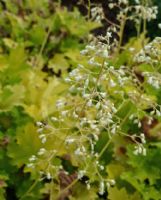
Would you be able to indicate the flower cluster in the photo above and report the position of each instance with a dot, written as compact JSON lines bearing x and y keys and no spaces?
{"x":139,"y":148}
{"x":145,"y":12}
{"x":135,"y":12}
{"x":97,"y":14}
{"x":102,"y":99}
{"x":151,"y":54}
{"x":97,"y":93}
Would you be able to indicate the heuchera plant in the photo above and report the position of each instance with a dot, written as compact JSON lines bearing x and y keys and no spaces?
{"x":106,"y":116}
{"x":79,"y":125}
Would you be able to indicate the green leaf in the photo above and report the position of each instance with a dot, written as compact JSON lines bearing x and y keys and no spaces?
{"x":38,"y":34}
{"x":75,"y":23}
{"x":59,"y":63}
{"x":27,"y":144}
{"x":80,"y":192}
{"x":9,"y":42}
{"x":143,"y":166}
{"x":145,"y":172}
{"x":11,"y":96}
{"x":121,"y":194}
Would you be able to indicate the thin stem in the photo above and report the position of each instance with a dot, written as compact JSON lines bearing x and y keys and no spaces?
{"x":144,"y":32}
{"x":139,"y":28}
{"x":43,"y":46}
{"x":144,"y":24}
{"x":30,"y":189}
{"x":104,"y":148}
{"x":110,"y":22}
{"x":89,"y":9}
{"x":67,"y":188}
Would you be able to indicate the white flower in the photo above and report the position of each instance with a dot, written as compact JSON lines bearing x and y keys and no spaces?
{"x":70,"y":140}
{"x":89,"y":103}
{"x":81,"y":173}
{"x":78,"y":152}
{"x":144,"y":152}
{"x":67,"y":80}
{"x":131,"y":49}
{"x":93,"y":126}
{"x":30,"y":165}
{"x":112,"y":182}
{"x":131,"y":117}
{"x":84,"y":52}
{"x":48,"y":176}
{"x":40,"y":130}
{"x":86,"y":96}
{"x":41,"y":151}
{"x":54,"y":119}
{"x":158,"y":113}
{"x":113,"y":131}
{"x":93,"y":62}
{"x":137,"y":1}
{"x":139,"y":149}
{"x":39,"y":123}
{"x":98,"y":105}
{"x":101,"y":167}
{"x":111,"y":5}
{"x":64,"y":113}
{"x":86,"y":83}
{"x":105,"y":53}
{"x":139,"y":124}
{"x":109,"y":34}
{"x":75,"y":115}
{"x":159,"y":25}
{"x":43,"y":140}
{"x":32,"y":158}
{"x":60,"y":103}
{"x":101,"y":188}
{"x":112,"y":83}
{"x":90,"y":47}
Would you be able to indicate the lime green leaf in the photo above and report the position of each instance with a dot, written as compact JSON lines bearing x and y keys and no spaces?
{"x":114,"y":170}
{"x":80,"y":192}
{"x":27,"y":144}
{"x":11,"y":96}
{"x":38,"y":35}
{"x":121,"y":194}
{"x":9,"y":42}
{"x":59,"y":63}
{"x":75,"y":23}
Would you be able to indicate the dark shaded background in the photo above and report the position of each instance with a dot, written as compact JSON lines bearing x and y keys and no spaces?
{"x":130,"y":30}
